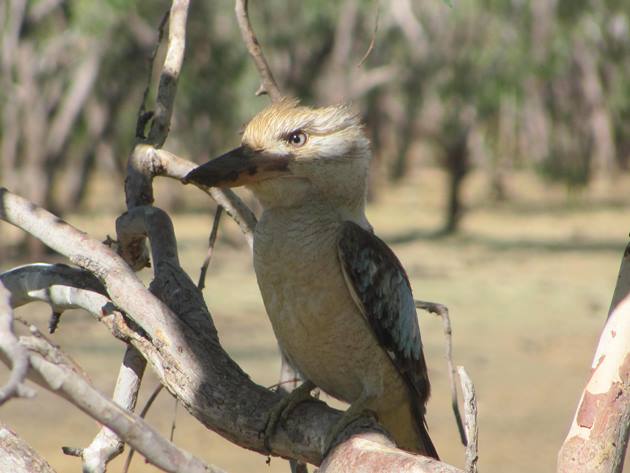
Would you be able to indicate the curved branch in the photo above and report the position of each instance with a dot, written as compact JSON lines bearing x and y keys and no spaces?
{"x":158,"y":162}
{"x":180,"y":342}
{"x":268,"y":85}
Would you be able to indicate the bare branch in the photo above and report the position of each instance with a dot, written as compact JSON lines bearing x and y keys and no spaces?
{"x":17,"y":355}
{"x":268,"y":85}
{"x":180,"y":342}
{"x":170,"y":73}
{"x":17,"y":456}
{"x":442,"y":311}
{"x":470,"y":411}
{"x":211,"y":241}
{"x":143,"y":115}
{"x":107,"y":445}
{"x":53,"y":372}
{"x":143,"y":413}
{"x":598,"y":437}
{"x":373,"y":39}
{"x":369,"y":453}
{"x":164,"y":163}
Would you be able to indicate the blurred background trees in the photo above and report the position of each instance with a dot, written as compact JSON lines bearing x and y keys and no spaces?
{"x":494,"y":85}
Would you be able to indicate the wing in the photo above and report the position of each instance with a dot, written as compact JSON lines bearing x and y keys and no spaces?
{"x":379,"y":286}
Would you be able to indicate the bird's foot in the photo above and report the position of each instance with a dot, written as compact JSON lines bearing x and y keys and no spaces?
{"x":280,"y":412}
{"x":351,"y":415}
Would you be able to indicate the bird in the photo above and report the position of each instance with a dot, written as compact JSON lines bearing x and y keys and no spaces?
{"x":339,"y":300}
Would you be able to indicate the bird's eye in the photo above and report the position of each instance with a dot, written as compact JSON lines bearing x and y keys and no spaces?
{"x":296,"y":138}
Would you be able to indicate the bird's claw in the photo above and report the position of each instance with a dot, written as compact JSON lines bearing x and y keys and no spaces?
{"x":280,"y":412}
{"x":341,"y":425}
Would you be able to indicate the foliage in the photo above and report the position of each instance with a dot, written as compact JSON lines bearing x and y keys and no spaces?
{"x":542,"y":85}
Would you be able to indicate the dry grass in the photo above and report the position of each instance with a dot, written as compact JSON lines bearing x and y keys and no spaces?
{"x":528,"y":284}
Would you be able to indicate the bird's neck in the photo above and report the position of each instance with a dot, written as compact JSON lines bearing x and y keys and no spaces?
{"x":300,"y":197}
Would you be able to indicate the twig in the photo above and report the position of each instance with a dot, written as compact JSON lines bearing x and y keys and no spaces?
{"x":211,"y":241}
{"x":143,"y":115}
{"x":146,"y":408}
{"x":268,"y":84}
{"x":470,"y":411}
{"x":373,"y":39}
{"x":172,"y":434}
{"x":17,"y":355}
{"x":442,"y":312}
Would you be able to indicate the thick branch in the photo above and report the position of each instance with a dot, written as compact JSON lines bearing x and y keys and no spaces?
{"x":183,"y":349}
{"x":17,"y":456}
{"x":598,"y":438}
{"x":368,"y":453}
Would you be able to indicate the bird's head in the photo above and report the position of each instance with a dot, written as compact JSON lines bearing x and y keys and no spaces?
{"x":291,"y":153}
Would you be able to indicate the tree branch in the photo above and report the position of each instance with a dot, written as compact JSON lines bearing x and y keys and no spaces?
{"x":170,"y":73}
{"x":211,"y":241}
{"x":107,"y":445}
{"x":268,"y":85}
{"x":442,"y":311}
{"x":598,"y":437}
{"x":180,"y":342}
{"x":10,"y":346}
{"x":470,"y":411}
{"x":52,"y":371}
{"x":17,"y":456}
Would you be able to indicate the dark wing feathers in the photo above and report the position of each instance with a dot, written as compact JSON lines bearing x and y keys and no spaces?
{"x":379,"y":285}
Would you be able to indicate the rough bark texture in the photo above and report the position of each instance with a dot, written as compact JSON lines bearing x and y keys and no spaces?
{"x":366,"y":454}
{"x":16,"y":456}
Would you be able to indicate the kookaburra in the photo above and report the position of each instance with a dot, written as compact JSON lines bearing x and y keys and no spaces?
{"x":338,"y":298}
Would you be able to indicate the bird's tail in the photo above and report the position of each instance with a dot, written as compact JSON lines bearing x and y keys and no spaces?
{"x":409,"y":430}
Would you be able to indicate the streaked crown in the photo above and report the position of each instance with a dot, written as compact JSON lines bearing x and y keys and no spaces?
{"x":286,"y":127}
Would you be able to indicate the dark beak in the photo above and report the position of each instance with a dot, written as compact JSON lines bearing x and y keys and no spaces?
{"x":238,"y":167}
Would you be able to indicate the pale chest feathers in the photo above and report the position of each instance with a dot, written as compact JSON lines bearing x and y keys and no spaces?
{"x":297,"y":266}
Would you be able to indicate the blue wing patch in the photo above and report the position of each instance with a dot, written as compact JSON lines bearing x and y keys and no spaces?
{"x":380,"y":287}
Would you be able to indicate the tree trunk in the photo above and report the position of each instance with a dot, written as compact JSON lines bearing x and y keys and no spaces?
{"x":457,"y":167}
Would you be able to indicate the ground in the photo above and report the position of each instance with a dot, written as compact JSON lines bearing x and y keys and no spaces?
{"x":528,"y":283}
